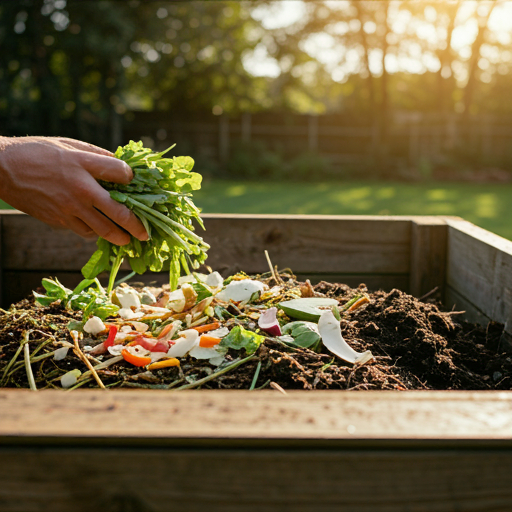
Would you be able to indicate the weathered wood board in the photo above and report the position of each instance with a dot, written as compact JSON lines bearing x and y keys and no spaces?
{"x":127,"y":479}
{"x":252,"y":418}
{"x":479,"y":273}
{"x":350,"y":249}
{"x":227,"y":450}
{"x":242,"y":450}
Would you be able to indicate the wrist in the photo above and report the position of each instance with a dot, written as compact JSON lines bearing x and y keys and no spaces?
{"x":4,"y":143}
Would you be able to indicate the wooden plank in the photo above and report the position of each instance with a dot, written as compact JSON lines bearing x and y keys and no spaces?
{"x":219,"y":480}
{"x":479,"y":269}
{"x":428,"y":255}
{"x":176,"y":417}
{"x":32,"y":245}
{"x":456,"y":302}
{"x":305,"y":243}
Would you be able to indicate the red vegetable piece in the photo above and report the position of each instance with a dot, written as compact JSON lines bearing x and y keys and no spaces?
{"x":153,"y":345}
{"x":112,"y":331}
{"x":161,"y":346}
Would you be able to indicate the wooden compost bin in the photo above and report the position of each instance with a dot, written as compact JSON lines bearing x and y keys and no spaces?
{"x":138,"y":450}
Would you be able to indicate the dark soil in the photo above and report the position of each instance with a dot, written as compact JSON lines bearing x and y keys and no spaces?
{"x":415,"y":345}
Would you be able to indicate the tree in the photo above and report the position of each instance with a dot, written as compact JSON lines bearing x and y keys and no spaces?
{"x":72,"y":67}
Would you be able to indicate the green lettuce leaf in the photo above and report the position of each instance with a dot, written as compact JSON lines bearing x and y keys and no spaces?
{"x":239,"y":338}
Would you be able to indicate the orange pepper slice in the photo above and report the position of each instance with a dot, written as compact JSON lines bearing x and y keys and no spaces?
{"x":135,"y":360}
{"x":358,"y":303}
{"x":165,"y":330}
{"x":208,"y":341}
{"x":172,"y":361}
{"x":207,"y":327}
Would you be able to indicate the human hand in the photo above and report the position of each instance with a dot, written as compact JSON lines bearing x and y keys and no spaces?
{"x":54,"y":180}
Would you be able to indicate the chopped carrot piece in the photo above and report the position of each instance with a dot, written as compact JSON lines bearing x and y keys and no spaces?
{"x":165,"y":330}
{"x":135,"y":360}
{"x":208,"y":341}
{"x":207,"y":327}
{"x":172,"y":361}
{"x":358,"y":303}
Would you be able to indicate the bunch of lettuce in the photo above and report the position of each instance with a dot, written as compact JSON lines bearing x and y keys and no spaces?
{"x":160,"y":196}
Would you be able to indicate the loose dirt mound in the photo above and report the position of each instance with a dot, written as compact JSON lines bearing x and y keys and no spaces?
{"x":415,"y":345}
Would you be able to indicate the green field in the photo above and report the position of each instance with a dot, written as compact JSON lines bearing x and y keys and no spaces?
{"x":487,"y":205}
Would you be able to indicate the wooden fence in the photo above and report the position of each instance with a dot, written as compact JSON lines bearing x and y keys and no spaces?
{"x":409,"y":139}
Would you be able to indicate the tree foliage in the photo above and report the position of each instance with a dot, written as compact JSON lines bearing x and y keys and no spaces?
{"x":71,"y":67}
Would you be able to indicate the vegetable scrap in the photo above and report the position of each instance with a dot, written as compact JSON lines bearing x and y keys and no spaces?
{"x":244,"y":332}
{"x":268,"y":336}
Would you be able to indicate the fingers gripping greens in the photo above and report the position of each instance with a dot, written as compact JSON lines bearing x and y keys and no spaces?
{"x":159,"y":195}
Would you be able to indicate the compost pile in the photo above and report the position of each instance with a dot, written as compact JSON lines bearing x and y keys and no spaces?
{"x":247,"y":332}
{"x":202,"y":330}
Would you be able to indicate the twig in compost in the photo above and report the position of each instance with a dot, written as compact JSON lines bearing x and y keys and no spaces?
{"x":362,"y":385}
{"x":214,"y":375}
{"x":270,"y":266}
{"x":126,"y":384}
{"x":352,"y":301}
{"x":256,"y":375}
{"x":101,"y":366}
{"x":30,"y":375}
{"x":80,"y":383}
{"x":275,"y":276}
{"x":42,"y":345}
{"x":277,"y":387}
{"x":358,"y":303}
{"x":11,"y":362}
{"x":175,"y":383}
{"x":428,"y":294}
{"x":263,"y":386}
{"x":26,"y":334}
{"x":80,"y":354}
{"x":33,"y":359}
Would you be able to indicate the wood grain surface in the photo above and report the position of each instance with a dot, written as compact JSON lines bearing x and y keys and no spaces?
{"x":351,"y":249}
{"x":302,"y":242}
{"x":428,"y":255}
{"x":479,"y":271}
{"x":172,"y":416}
{"x":109,"y":479}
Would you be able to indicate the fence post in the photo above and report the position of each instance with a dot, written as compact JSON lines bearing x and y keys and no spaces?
{"x":246,"y":127}
{"x":414,"y":136}
{"x":451,"y":132}
{"x":313,"y":133}
{"x":375,"y":139}
{"x":487,"y":137}
{"x":223,"y":138}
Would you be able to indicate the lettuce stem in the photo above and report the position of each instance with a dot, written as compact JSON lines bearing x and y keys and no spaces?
{"x":116,"y":265}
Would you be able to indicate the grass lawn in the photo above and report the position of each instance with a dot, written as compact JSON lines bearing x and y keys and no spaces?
{"x":487,"y":205}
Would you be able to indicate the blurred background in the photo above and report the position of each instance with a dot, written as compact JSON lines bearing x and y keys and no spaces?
{"x":314,"y":107}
